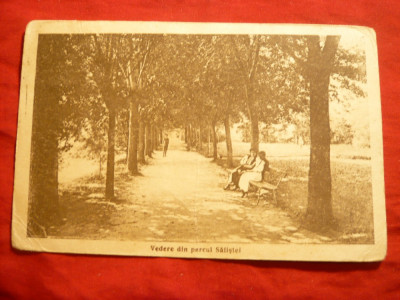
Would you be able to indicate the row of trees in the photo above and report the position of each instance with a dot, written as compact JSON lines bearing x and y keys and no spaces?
{"x":344,"y":124}
{"x":120,"y":91}
{"x":90,"y":89}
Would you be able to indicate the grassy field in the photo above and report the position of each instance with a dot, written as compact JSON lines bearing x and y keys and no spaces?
{"x":351,"y":195}
{"x":351,"y":184}
{"x":287,"y":150}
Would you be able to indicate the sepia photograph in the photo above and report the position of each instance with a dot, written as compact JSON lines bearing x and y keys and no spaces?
{"x":233,"y":141}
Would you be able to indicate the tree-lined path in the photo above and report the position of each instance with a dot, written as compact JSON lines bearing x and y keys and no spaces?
{"x":180,"y":198}
{"x":110,"y":98}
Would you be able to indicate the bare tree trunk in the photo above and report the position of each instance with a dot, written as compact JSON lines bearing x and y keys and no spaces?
{"x":128,"y":140}
{"x":153,"y":138}
{"x":110,"y":154}
{"x":100,"y":165}
{"x":253,"y":116}
{"x":200,"y":140}
{"x":214,"y":135}
{"x":189,"y":137}
{"x":141,"y":148}
{"x":133,"y":139}
{"x":156,"y":138}
{"x":186,"y":134}
{"x":255,"y":132}
{"x":209,"y":141}
{"x":149,"y":149}
{"x":228,"y":139}
{"x":252,"y":63}
{"x":43,"y":205}
{"x":43,"y":184}
{"x":193,"y":136}
{"x":196,"y":138}
{"x":319,"y":209}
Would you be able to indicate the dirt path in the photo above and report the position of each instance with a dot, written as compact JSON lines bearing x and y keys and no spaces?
{"x":180,"y":198}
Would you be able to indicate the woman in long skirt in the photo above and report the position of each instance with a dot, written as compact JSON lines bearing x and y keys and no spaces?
{"x":255,"y":174}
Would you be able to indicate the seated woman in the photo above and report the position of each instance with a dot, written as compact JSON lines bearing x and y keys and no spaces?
{"x":246,"y":163}
{"x":256,"y":173}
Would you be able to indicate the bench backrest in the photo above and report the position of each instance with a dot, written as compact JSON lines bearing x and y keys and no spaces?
{"x":274,"y":176}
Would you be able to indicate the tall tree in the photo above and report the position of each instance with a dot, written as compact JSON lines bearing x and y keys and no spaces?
{"x":320,"y":69}
{"x":320,"y":64}
{"x":247,"y":57}
{"x":214,"y":139}
{"x":43,"y":197}
{"x":141,"y":146}
{"x":104,"y":65}
{"x":57,"y":117}
{"x":137,"y":49}
{"x":228,"y":89}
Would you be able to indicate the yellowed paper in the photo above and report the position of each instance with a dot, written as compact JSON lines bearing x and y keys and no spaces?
{"x":200,"y":140}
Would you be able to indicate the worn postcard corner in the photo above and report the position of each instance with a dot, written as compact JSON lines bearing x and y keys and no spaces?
{"x":200,"y":140}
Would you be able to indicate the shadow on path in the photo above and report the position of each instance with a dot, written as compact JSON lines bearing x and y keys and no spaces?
{"x":181,"y":198}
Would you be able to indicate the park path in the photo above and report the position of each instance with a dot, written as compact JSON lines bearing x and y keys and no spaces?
{"x":181,"y":198}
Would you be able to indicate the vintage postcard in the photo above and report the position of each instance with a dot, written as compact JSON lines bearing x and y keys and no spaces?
{"x":200,"y":140}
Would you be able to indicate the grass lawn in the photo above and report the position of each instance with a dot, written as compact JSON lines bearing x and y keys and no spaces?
{"x":288,"y":150}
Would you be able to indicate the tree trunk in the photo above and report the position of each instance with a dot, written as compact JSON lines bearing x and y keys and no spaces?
{"x":189,"y":137}
{"x":320,"y":63}
{"x":209,"y":141}
{"x":100,"y":166}
{"x":156,"y":138}
{"x":253,"y":116}
{"x":133,"y":138}
{"x":43,"y":206}
{"x":214,"y":136}
{"x":149,"y":150}
{"x":200,"y":140}
{"x":128,"y":122}
{"x":229,"y":151}
{"x":194,"y":136}
{"x":141,"y":147}
{"x":110,"y":154}
{"x":153,"y":139}
{"x":186,"y":134}
{"x":255,"y":132}
{"x":43,"y":196}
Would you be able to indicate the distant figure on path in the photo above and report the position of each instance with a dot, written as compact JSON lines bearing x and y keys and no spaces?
{"x":256,"y":173}
{"x":166,"y":142}
{"x":246,"y":163}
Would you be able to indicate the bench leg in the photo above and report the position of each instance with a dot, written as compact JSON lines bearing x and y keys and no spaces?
{"x":258,"y":195}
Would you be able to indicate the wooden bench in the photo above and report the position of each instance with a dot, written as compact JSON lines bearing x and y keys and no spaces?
{"x":271,"y":182}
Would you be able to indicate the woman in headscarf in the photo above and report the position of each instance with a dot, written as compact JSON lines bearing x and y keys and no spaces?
{"x":256,"y":173}
{"x":246,"y":163}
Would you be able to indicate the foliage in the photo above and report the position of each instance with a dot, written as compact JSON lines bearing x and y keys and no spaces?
{"x":262,"y":82}
{"x":210,"y":78}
